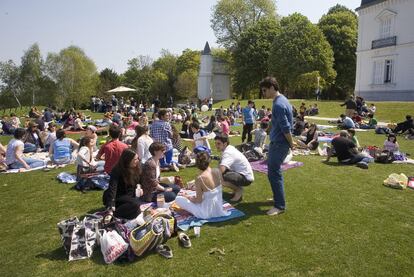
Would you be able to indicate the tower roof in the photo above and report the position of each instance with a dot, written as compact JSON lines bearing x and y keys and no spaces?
{"x":367,"y":3}
{"x":207,"y":50}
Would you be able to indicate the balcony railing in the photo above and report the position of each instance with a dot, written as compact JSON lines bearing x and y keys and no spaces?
{"x":384,"y":42}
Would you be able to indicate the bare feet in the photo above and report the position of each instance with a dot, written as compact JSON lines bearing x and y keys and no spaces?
{"x":238,"y":194}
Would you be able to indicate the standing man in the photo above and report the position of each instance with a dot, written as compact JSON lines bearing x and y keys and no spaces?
{"x":249,"y":117}
{"x":210,"y":103}
{"x":280,"y":141}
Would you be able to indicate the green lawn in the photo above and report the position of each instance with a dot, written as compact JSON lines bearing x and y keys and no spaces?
{"x":341,"y":221}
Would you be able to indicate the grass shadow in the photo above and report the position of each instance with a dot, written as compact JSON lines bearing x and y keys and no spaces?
{"x":55,"y":255}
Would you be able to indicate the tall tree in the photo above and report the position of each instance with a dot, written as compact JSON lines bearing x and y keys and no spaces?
{"x":300,"y":47}
{"x":186,"y":84}
{"x":75,"y":75}
{"x":340,"y":27}
{"x":109,"y":79}
{"x":189,"y":60}
{"x":251,"y":55}
{"x":167,"y":65}
{"x":231,"y":17}
{"x":31,"y":73}
{"x":10,"y":85}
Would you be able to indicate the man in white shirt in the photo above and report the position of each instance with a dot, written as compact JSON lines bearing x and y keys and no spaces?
{"x":234,"y":166}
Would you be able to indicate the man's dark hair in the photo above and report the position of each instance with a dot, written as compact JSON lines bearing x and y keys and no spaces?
{"x":223,"y":138}
{"x":60,"y":134}
{"x":250,"y":102}
{"x":162,"y":113}
{"x":114,"y":132}
{"x":342,"y":116}
{"x":195,"y":125}
{"x":408,"y":117}
{"x":269,"y":82}
{"x":264,"y":125}
{"x":19,"y":133}
{"x":156,"y":146}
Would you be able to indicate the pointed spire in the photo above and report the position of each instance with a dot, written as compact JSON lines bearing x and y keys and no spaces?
{"x":207,"y":50}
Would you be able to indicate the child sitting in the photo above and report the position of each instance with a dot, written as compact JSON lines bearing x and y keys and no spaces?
{"x":391,"y":144}
{"x":199,"y":136}
{"x":260,"y":135}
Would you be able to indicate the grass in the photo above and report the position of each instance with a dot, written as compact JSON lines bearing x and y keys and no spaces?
{"x":341,"y":221}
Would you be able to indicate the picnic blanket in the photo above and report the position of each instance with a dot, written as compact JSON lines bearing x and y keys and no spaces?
{"x":44,"y":156}
{"x":185,"y":220}
{"x":261,"y":166}
{"x":80,"y":132}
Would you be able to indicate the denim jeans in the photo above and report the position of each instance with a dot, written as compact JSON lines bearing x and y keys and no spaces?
{"x":29,"y":147}
{"x":31,"y":162}
{"x":166,"y":160}
{"x":276,"y":156}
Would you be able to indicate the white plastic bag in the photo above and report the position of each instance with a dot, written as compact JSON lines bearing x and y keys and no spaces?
{"x":112,"y":246}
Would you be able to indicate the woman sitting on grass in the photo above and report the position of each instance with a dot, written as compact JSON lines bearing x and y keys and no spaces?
{"x":84,"y":160}
{"x":14,"y":153}
{"x":150,"y":179}
{"x":208,"y":201}
{"x":120,"y":197}
{"x":60,"y":151}
{"x":141,"y":143}
{"x":311,"y":138}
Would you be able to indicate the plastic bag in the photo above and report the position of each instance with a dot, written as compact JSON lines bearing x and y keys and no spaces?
{"x":396,"y":181}
{"x":112,"y":246}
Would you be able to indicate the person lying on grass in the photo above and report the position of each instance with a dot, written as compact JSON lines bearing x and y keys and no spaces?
{"x":208,"y":201}
{"x":347,"y":152}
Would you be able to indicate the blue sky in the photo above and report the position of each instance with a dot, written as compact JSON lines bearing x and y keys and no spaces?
{"x":112,"y":32}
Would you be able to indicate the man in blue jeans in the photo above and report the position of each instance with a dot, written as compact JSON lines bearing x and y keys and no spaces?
{"x":280,"y":141}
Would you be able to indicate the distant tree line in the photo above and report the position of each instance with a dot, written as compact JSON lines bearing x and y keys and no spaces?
{"x":256,"y":42}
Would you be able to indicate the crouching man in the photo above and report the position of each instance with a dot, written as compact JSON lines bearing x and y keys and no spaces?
{"x":234,"y":166}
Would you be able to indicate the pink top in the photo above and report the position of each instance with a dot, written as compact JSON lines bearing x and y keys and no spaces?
{"x":133,"y":125}
{"x":225,"y":127}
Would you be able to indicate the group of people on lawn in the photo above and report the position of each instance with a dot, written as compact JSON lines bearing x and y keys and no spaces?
{"x":151,"y":151}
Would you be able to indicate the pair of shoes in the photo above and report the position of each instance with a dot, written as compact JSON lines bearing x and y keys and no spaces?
{"x":238,"y":195}
{"x":184,"y":240}
{"x":274,"y":211}
{"x":164,"y":250}
{"x":362,"y":165}
{"x":174,"y":167}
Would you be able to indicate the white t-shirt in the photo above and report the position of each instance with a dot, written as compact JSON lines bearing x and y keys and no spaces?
{"x":84,"y":156}
{"x":143,"y":145}
{"x":200,"y":142}
{"x":234,"y":160}
{"x":10,"y":156}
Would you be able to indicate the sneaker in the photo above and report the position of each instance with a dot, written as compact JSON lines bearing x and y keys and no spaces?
{"x":274,"y":211}
{"x":184,"y":240}
{"x":164,"y":251}
{"x":362,"y":165}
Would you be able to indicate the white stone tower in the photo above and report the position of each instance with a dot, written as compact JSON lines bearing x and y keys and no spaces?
{"x":205,"y":77}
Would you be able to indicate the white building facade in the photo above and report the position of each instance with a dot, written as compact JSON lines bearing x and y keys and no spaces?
{"x":385,"y":52}
{"x":213,"y":78}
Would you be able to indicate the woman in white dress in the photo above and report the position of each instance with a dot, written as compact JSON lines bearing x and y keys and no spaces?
{"x":208,"y":201}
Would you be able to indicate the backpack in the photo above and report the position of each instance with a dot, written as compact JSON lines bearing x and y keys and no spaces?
{"x":384,"y":157}
{"x":185,"y":156}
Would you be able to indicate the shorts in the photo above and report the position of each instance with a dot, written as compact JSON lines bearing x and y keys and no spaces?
{"x":236,"y":178}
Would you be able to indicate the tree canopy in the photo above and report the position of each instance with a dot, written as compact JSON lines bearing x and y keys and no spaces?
{"x":300,"y":47}
{"x":251,"y":55}
{"x":340,"y":28}
{"x":231,"y":17}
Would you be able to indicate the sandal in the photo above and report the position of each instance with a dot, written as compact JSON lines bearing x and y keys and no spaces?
{"x":184,"y":240}
{"x":164,"y":250}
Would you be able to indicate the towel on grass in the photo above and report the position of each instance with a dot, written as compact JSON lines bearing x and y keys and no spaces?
{"x":185,"y":220}
{"x":261,"y":166}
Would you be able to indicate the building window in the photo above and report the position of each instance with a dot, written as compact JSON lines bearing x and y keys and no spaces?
{"x":388,"y":71}
{"x":385,"y":29}
{"x":383,"y":72}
